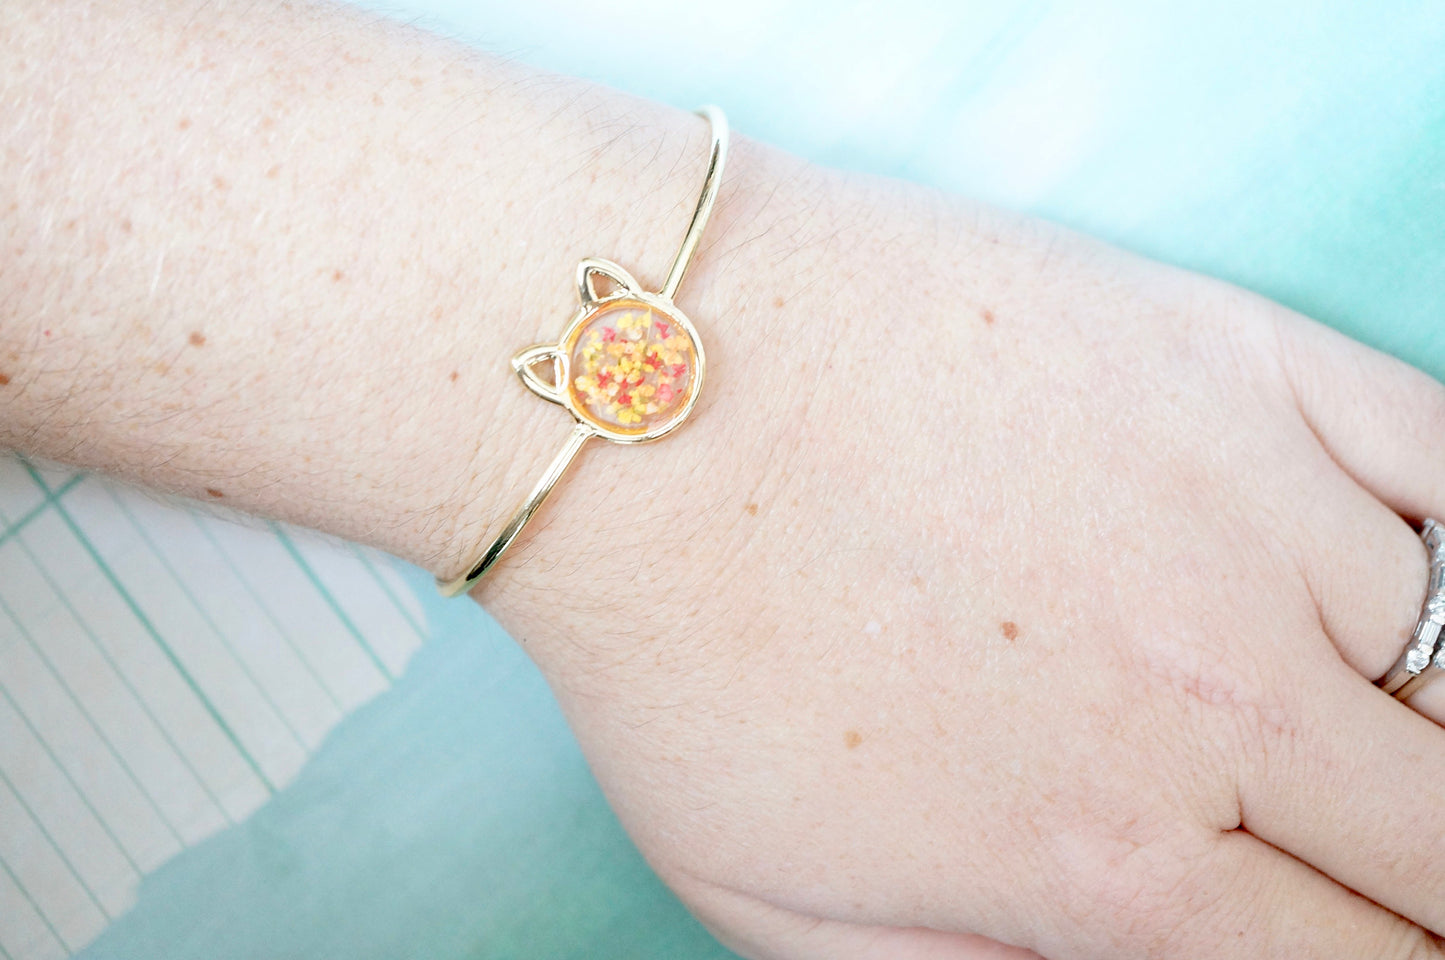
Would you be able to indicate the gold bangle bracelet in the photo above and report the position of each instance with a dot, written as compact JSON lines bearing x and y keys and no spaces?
{"x":629,"y":366}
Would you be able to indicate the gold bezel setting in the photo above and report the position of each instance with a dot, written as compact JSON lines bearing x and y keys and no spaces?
{"x":561,"y":390}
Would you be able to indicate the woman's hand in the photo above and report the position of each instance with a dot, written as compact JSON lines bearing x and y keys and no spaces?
{"x":1003,"y":586}
{"x":1006,"y":584}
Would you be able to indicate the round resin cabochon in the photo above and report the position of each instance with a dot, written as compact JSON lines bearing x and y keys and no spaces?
{"x":631,"y":367}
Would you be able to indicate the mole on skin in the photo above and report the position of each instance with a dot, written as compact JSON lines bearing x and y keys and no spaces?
{"x":213,"y":493}
{"x":1009,"y":629}
{"x":197,"y":338}
{"x":4,"y":379}
{"x":852,"y":738}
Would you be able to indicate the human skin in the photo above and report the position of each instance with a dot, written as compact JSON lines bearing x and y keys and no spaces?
{"x":1004,"y":588}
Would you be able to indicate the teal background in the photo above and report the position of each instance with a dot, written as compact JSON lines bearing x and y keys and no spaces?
{"x":451,"y":817}
{"x":1296,"y":148}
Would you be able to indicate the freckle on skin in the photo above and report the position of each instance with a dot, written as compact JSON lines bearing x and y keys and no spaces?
{"x":752,"y":509}
{"x":778,"y":302}
{"x":220,"y":183}
{"x":213,"y":493}
{"x":273,"y":172}
{"x":851,"y":739}
{"x":185,"y":124}
{"x":197,"y":338}
{"x":454,"y":376}
{"x":988,"y":317}
{"x":337,"y":276}
{"x":1009,"y":629}
{"x":126,"y":226}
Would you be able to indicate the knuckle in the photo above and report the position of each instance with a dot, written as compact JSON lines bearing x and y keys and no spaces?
{"x":1128,"y":887}
{"x":1215,"y":901}
{"x":1220,"y":686}
{"x":1412,"y":943}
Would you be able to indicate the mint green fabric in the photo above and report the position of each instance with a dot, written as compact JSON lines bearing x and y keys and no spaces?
{"x":1297,"y":148}
{"x":453,"y":817}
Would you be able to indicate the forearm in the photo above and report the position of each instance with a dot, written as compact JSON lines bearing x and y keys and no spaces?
{"x":281,"y":258}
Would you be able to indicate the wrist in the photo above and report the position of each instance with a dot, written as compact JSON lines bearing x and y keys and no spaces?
{"x":638,"y":534}
{"x":666,"y":484}
{"x":294,"y":283}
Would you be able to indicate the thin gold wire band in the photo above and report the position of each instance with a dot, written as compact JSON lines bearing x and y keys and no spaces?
{"x":659,"y":391}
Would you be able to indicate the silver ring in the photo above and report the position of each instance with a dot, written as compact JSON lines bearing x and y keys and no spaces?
{"x":1424,"y":656}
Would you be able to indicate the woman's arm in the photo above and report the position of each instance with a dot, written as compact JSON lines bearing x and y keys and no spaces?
{"x":1002,"y":584}
{"x":282,"y":256}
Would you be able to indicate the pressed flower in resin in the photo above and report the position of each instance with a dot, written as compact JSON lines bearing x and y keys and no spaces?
{"x":631,"y":367}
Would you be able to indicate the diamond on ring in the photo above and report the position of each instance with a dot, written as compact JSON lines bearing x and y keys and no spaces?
{"x":1424,"y":655}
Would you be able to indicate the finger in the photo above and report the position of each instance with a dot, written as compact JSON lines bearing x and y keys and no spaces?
{"x":1368,"y":572}
{"x":1249,"y":900}
{"x":762,"y":931}
{"x":1243,"y":900}
{"x":1381,"y":419}
{"x":1352,"y":782}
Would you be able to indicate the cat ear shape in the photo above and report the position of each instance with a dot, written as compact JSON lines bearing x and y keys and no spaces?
{"x":526,"y":362}
{"x":588,"y":269}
